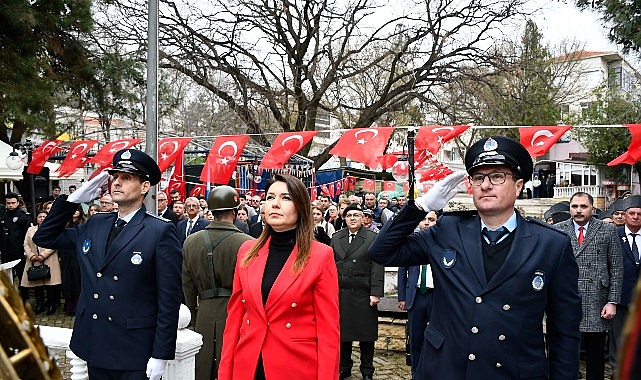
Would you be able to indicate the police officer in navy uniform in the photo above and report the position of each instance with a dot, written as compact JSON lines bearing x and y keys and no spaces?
{"x":498,"y":274}
{"x":127,"y":317}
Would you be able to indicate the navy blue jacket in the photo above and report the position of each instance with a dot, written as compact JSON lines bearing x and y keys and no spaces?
{"x":128,"y":306}
{"x":630,"y":267}
{"x":407,"y":280}
{"x":482,"y":329}
{"x":200,"y":224}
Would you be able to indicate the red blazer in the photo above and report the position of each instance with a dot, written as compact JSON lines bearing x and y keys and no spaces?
{"x":297,"y":331}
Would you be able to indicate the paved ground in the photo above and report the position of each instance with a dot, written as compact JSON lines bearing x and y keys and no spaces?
{"x":389,"y":358}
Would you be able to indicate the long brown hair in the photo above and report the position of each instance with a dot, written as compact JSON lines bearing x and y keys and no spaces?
{"x":305,"y":225}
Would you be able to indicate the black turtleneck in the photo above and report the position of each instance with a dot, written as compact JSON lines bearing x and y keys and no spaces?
{"x":280,"y":247}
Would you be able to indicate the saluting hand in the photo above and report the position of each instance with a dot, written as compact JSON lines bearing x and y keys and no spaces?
{"x":441,"y":193}
{"x":90,"y":189}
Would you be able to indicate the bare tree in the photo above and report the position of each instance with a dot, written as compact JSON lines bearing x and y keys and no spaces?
{"x":358,"y":59}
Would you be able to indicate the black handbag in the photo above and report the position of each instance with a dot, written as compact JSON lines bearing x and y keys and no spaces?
{"x":38,"y":272}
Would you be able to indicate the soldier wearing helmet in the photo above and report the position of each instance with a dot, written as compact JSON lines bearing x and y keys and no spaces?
{"x":209,"y":260}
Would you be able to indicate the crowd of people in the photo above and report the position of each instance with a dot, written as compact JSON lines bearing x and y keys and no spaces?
{"x":278,"y":283}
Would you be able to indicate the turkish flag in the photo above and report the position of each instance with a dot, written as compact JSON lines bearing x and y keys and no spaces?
{"x":389,"y":186}
{"x":197,"y":190}
{"x":633,"y":154}
{"x":369,"y":185}
{"x":41,"y":154}
{"x":406,"y":187}
{"x":222,"y":159}
{"x":177,"y":178}
{"x":313,"y":193}
{"x":338,"y":187}
{"x":284,"y":147}
{"x":436,"y":173}
{"x":324,"y":189}
{"x":350,"y":183}
{"x":76,"y":157}
{"x":538,"y":140}
{"x":106,"y":154}
{"x":363,"y":144}
{"x":427,"y":186}
{"x":431,"y":138}
{"x":332,"y":189}
{"x":387,"y":160}
{"x":168,"y":149}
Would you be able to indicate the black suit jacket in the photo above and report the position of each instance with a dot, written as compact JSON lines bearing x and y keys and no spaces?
{"x":168,"y":214}
{"x":256,"y":229}
{"x":200,"y":224}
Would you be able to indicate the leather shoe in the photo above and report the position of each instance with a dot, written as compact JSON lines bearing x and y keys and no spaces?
{"x":344,"y":375}
{"x":40,"y":308}
{"x":367,"y":377}
{"x":52,"y":310}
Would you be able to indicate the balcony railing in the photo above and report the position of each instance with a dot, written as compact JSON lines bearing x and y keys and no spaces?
{"x":566,"y":192}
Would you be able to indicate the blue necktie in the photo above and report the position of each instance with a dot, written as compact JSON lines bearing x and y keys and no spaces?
{"x":494,"y":236}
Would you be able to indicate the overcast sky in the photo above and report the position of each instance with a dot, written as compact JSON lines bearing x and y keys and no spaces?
{"x":559,"y":20}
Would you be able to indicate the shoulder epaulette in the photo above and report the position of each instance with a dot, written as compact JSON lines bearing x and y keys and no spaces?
{"x":158,"y":216}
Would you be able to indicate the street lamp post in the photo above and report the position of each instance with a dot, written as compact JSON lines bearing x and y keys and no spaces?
{"x":17,"y":159}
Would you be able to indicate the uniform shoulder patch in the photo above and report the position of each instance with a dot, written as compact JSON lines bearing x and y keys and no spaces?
{"x":158,"y":217}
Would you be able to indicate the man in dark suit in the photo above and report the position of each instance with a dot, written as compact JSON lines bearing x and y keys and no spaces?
{"x":491,"y":291}
{"x":361,"y":286}
{"x":163,"y":210}
{"x":257,"y":228}
{"x":127,"y":319}
{"x":598,"y":254}
{"x":415,"y":294}
{"x":630,"y":240}
{"x":193,"y":222}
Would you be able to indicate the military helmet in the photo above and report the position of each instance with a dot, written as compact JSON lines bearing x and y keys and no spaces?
{"x":223,"y":198}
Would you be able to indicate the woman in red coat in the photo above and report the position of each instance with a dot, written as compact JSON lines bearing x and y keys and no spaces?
{"x":283,"y":319}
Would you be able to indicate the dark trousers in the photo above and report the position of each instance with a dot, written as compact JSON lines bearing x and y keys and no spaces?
{"x":113,"y":374}
{"x":594,"y":359}
{"x":418,"y":316}
{"x":616,"y":328}
{"x":367,"y":358}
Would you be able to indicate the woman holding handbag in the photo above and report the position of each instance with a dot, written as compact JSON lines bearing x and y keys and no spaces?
{"x":37,"y":256}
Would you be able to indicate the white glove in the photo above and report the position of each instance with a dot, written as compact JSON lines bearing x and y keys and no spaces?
{"x":441,"y":193}
{"x":155,"y":367}
{"x":90,"y":190}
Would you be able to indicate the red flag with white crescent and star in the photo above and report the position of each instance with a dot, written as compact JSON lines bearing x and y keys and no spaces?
{"x":369,"y":185}
{"x":284,"y":147}
{"x":222,"y":159}
{"x":199,"y":190}
{"x":169,"y":148}
{"x":76,"y":157}
{"x":538,"y":140}
{"x":106,"y":154}
{"x":177,"y":179}
{"x":389,"y":186}
{"x":432,"y":137}
{"x":41,"y":154}
{"x":633,"y":154}
{"x":313,"y":193}
{"x":363,"y":144}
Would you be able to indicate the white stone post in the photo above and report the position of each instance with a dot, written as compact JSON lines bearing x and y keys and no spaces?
{"x":183,"y":367}
{"x":188,"y":343}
